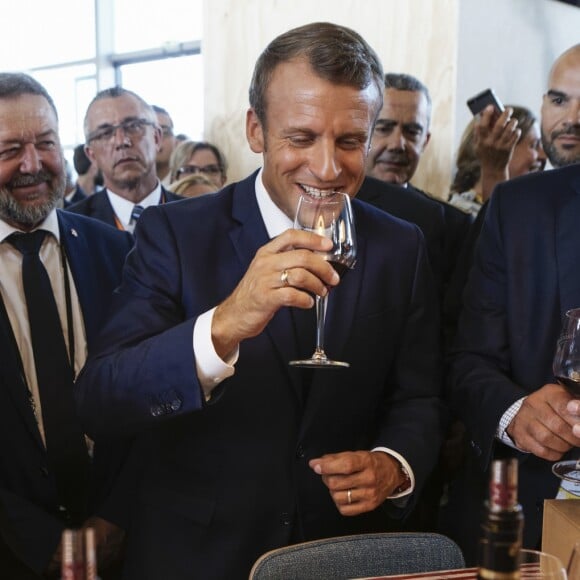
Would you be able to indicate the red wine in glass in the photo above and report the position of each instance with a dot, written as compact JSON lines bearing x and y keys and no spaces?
{"x":330,"y":216}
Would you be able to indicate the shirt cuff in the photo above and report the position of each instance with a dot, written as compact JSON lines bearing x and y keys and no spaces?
{"x":211,"y":369}
{"x":406,"y":467}
{"x":501,"y":432}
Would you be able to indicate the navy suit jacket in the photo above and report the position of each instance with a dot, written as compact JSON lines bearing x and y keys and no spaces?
{"x":445,"y":228}
{"x":417,"y":208}
{"x":29,"y":524}
{"x":79,"y":195}
{"x":524,"y":278}
{"x":98,"y":206}
{"x":228,"y":480}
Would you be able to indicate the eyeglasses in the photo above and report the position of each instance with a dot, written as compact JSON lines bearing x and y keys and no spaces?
{"x":131,"y":127}
{"x":166,"y":130}
{"x":190,"y":169}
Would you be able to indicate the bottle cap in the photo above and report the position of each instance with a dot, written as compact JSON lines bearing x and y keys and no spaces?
{"x":503,"y":486}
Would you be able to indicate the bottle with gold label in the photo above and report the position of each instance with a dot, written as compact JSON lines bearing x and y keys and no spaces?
{"x":502,"y":526}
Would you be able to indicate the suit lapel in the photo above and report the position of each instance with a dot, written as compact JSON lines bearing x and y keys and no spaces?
{"x":568,"y":251}
{"x":102,"y":208}
{"x":247,"y":237}
{"x":85,"y":279}
{"x":343,"y":300}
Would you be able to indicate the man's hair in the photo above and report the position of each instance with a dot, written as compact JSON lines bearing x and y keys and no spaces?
{"x":161,"y":111}
{"x":468,"y":167}
{"x":405,"y":82}
{"x":16,"y":84}
{"x":113,"y":93}
{"x":80,"y":160}
{"x":335,"y":53}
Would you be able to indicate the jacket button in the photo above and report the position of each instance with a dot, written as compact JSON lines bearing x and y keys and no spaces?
{"x":285,"y":519}
{"x":299,"y":452}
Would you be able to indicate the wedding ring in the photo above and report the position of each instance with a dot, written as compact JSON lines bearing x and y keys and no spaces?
{"x":284,"y":278}
{"x":349,"y":496}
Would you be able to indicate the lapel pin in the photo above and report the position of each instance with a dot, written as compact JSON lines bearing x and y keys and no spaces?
{"x":74,"y":233}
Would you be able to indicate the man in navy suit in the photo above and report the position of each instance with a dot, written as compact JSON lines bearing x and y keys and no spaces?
{"x":90,"y":255}
{"x":247,"y":453}
{"x":122,"y":139}
{"x":400,"y":137}
{"x":523,"y":280}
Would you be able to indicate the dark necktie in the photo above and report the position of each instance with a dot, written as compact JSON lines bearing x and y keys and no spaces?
{"x":136,"y":213}
{"x":65,"y":443}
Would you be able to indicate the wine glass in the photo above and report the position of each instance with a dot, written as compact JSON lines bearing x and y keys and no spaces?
{"x":566,"y":369}
{"x":566,"y":365}
{"x":540,"y":565}
{"x":330,"y":216}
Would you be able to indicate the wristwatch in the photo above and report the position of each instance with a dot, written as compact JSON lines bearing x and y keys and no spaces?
{"x":407,"y":481}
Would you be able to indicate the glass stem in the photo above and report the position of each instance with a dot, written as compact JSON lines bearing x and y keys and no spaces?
{"x":320,"y":318}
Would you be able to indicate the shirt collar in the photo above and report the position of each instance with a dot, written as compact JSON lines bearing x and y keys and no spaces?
{"x":50,"y":224}
{"x":123,"y":207}
{"x":275,"y":220}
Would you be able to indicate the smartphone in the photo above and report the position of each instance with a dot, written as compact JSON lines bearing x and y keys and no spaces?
{"x":481,"y":100}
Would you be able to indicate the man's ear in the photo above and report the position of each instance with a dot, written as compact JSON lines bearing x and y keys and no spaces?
{"x":157,"y":137}
{"x":427,"y":139}
{"x":254,"y":132}
{"x":89,"y":154}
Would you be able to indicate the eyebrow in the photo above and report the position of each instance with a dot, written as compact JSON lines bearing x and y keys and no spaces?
{"x":125,"y":120}
{"x":47,"y":133}
{"x":410,"y":125}
{"x":553,"y":93}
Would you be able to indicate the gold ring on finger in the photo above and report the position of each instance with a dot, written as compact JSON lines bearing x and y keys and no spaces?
{"x":284,"y":278}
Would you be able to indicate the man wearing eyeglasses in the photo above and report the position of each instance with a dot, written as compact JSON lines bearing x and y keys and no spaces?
{"x":122,"y":139}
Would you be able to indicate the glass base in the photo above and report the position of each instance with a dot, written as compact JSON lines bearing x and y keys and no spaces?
{"x":568,"y":470}
{"x":320,"y":363}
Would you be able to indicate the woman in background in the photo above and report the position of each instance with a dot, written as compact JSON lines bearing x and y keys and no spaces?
{"x":191,"y":157}
{"x":492,"y":151}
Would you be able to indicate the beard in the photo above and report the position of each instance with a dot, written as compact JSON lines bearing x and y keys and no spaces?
{"x":560,"y":157}
{"x":13,"y":211}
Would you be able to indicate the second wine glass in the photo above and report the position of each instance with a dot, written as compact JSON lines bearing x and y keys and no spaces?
{"x":566,"y":369}
{"x":330,"y":216}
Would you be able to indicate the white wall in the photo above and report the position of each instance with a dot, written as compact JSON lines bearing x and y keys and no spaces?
{"x":456,"y":47}
{"x":415,"y":36}
{"x":510,"y":45}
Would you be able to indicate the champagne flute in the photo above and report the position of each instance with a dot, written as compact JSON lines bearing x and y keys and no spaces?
{"x":566,"y":369}
{"x":330,"y":216}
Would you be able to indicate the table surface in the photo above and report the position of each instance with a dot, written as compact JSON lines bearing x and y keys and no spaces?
{"x":528,"y":571}
{"x":461,"y":574}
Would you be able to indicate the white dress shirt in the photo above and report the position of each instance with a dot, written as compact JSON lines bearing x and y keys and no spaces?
{"x":123,"y":207}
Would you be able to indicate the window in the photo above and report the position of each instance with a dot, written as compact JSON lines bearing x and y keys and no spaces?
{"x":59,"y":48}
{"x":176,"y":84}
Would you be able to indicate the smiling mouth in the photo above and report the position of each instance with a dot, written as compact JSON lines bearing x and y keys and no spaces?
{"x":319,"y":193}
{"x":392,"y":162}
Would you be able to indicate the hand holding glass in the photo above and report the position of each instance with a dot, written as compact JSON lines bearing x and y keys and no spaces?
{"x":566,"y":369}
{"x":331,"y":217}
